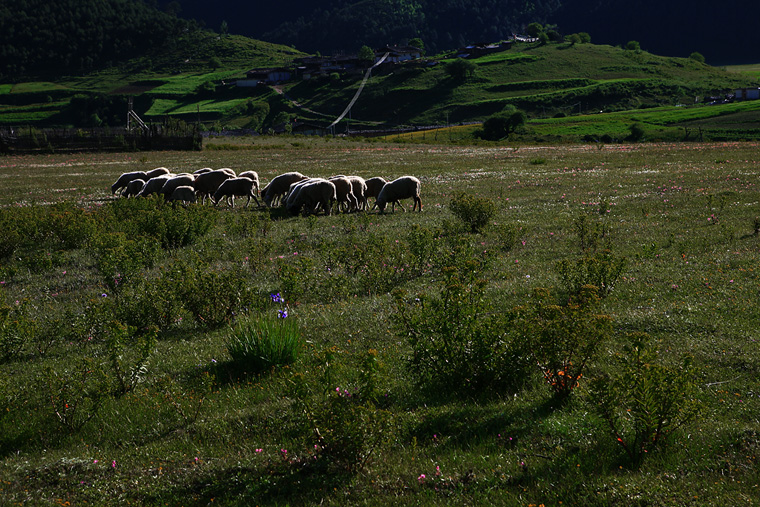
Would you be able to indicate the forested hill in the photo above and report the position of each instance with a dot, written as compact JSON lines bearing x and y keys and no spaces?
{"x":723,"y":33}
{"x":40,"y":37}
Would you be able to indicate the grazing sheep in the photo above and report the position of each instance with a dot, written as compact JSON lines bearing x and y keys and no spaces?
{"x":252,"y":175}
{"x":158,"y":171}
{"x":228,"y":171}
{"x":207,"y":183}
{"x":374,"y":186}
{"x":133,"y":188}
{"x":183,"y":193}
{"x":202,"y":171}
{"x":359,"y":187}
{"x":153,"y":185}
{"x":176,"y":181}
{"x":125,"y":178}
{"x":312,"y":195}
{"x":404,"y":187}
{"x":344,"y":191}
{"x":276,"y":189}
{"x":235,"y":187}
{"x":294,"y":189}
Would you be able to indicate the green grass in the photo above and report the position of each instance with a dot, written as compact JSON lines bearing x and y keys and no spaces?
{"x":197,"y":430}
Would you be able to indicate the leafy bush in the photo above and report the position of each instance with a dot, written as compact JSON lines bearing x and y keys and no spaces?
{"x":563,"y":339}
{"x":16,"y":329}
{"x":458,"y":339}
{"x":502,"y":124}
{"x":342,"y":424}
{"x":128,"y":354}
{"x":644,"y":402}
{"x":76,"y":392}
{"x":213,"y":296}
{"x":474,"y":212}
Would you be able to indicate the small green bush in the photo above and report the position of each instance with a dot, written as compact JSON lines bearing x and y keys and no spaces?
{"x":644,"y":401}
{"x":474,"y":212}
{"x":458,"y":340}
{"x":563,"y":339}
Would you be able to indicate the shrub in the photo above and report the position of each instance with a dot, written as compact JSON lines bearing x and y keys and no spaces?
{"x":343,"y":425}
{"x":644,"y":402}
{"x":457,"y":338}
{"x":128,"y":354}
{"x":76,"y":392}
{"x":563,"y":339}
{"x":16,"y":329}
{"x":500,"y":125}
{"x":474,"y":212}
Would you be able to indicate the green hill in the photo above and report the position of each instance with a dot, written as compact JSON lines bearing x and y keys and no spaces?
{"x":194,"y":78}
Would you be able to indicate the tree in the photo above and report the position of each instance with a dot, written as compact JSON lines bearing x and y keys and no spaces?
{"x":214,"y":62}
{"x":417,"y":43}
{"x":585,"y":37}
{"x":534,"y":29}
{"x":633,"y":46}
{"x":224,"y":29}
{"x":697,"y":57}
{"x":366,"y":55}
{"x":461,"y":69}
{"x":573,"y":39}
{"x":500,"y":125}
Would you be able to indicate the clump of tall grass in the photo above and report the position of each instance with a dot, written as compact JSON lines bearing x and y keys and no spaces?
{"x":261,"y":343}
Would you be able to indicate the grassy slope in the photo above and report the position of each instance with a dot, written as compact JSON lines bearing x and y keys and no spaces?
{"x":691,"y":282}
{"x":541,"y":79}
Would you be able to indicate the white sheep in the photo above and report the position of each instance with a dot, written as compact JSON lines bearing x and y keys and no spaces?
{"x":202,"y":171}
{"x":176,"y":181}
{"x":228,"y":171}
{"x":344,"y":192}
{"x":158,"y":171}
{"x":404,"y":187}
{"x":252,"y":175}
{"x":153,"y":185}
{"x":359,"y":187}
{"x":133,"y":188}
{"x":312,"y":195}
{"x":206,"y":184}
{"x":125,"y":178}
{"x":276,"y":189}
{"x":183,"y":193}
{"x":235,"y":187}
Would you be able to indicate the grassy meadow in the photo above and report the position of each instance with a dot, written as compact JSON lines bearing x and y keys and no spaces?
{"x":118,"y":386}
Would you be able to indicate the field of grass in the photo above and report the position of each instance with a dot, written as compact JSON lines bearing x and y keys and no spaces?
{"x":118,"y":386}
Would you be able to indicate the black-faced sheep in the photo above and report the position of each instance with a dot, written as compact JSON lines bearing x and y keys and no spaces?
{"x":313,"y":195}
{"x":183,"y":193}
{"x":276,"y":189}
{"x":392,"y":192}
{"x":132,"y":188}
{"x":125,"y":178}
{"x":206,"y":184}
{"x":235,"y":187}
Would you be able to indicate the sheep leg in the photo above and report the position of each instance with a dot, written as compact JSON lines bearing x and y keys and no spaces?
{"x":417,"y":201}
{"x":401,"y":206}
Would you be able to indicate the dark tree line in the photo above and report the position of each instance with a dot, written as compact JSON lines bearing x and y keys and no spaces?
{"x":40,"y":37}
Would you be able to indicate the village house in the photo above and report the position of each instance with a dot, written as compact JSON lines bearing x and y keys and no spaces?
{"x":747,"y":94}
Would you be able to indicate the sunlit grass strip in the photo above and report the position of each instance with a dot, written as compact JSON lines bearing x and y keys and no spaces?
{"x":265,"y":342}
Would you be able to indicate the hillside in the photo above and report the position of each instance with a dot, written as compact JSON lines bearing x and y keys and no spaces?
{"x":674,"y":28}
{"x":194,"y":80}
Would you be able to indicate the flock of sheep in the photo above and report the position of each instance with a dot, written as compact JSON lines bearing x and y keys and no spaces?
{"x":292,"y":190}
